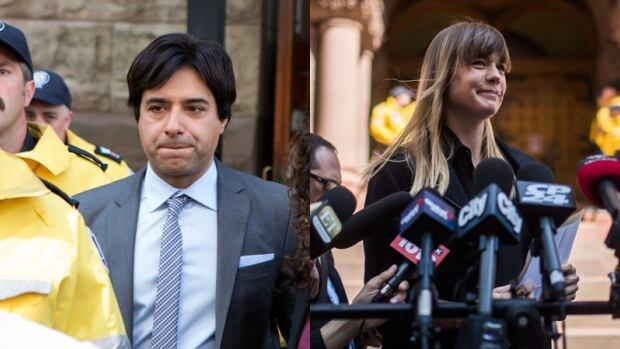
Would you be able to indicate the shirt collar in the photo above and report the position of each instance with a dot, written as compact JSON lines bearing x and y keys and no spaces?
{"x":203,"y":191}
{"x":451,"y":144}
{"x":49,"y":150}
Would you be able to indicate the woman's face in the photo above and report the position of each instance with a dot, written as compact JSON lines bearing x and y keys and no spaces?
{"x":477,"y":88}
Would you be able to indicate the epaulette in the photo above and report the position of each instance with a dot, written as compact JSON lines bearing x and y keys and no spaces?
{"x":88,"y":156}
{"x":103,"y":151}
{"x":54,"y":189}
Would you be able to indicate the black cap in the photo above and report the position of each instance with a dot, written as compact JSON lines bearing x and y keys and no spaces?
{"x":51,"y":88}
{"x":14,"y":39}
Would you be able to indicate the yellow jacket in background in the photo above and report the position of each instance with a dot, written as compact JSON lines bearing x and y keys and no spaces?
{"x":50,"y":269}
{"x":388,"y":119}
{"x":51,"y":160}
{"x":117,"y":167}
{"x":605,"y":130}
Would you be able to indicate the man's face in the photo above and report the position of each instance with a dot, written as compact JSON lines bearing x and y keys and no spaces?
{"x":57,"y":116}
{"x":15,"y":93}
{"x":327,"y":169}
{"x":179,"y":128}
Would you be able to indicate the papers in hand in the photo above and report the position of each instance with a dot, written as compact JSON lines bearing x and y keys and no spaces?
{"x":564,"y":239}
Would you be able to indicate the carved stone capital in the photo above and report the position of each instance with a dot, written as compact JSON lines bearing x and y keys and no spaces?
{"x":369,"y":13}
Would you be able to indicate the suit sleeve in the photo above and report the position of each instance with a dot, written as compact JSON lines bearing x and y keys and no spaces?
{"x":285,"y":292}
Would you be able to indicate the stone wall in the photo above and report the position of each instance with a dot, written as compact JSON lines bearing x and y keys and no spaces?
{"x":93,"y":42}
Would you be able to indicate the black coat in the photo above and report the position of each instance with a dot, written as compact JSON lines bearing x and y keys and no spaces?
{"x":449,"y":275}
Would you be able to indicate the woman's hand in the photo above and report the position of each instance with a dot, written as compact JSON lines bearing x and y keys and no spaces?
{"x":372,"y":287}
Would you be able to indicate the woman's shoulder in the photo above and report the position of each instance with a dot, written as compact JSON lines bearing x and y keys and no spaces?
{"x":516,"y":156}
{"x":395,"y":175}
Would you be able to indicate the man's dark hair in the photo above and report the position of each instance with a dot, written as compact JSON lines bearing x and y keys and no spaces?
{"x":170,"y":52}
{"x":314,"y":143}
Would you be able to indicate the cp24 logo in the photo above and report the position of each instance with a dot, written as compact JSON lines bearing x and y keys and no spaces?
{"x":541,"y":193}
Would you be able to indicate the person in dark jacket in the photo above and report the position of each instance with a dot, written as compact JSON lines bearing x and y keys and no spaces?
{"x":462,"y":86}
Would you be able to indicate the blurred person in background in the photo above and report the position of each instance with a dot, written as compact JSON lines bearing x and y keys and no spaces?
{"x":51,"y":105}
{"x":389,"y":117}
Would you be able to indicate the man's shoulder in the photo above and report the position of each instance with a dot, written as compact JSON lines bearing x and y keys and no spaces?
{"x":248,"y":181}
{"x":101,"y":194}
{"x":257,"y":189}
{"x":515,"y":155}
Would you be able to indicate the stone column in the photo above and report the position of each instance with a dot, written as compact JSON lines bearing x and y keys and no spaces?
{"x":338,"y":95}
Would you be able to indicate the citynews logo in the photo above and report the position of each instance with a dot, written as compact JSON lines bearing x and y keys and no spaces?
{"x":508,"y":209}
{"x":553,"y":194}
{"x":477,"y":206}
{"x":474,"y":209}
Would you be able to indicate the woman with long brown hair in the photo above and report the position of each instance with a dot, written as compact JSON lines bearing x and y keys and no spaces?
{"x":462,"y":85}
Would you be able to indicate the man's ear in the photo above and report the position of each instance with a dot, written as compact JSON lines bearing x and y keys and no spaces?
{"x":223,"y":125}
{"x":29,"y":92}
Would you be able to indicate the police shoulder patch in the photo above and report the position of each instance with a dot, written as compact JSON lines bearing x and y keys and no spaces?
{"x":103,"y":151}
{"x":99,"y":251}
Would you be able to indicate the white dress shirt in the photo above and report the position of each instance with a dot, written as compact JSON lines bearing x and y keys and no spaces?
{"x":198,"y":222}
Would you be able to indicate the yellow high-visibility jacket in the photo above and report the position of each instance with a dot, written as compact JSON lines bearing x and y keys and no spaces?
{"x":50,"y":269}
{"x":388,"y":119}
{"x":117,"y":167}
{"x":73,"y":171}
{"x":605,"y":130}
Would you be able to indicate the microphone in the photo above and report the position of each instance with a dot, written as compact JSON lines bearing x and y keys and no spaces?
{"x":598,"y":177}
{"x":491,"y":218}
{"x":326,"y":218}
{"x":545,"y":206}
{"x":370,"y":219}
{"x":427,"y":221}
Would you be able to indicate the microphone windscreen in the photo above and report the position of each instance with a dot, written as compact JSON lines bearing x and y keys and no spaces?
{"x":372,"y":218}
{"x":342,"y":201}
{"x":535,"y":171}
{"x":594,"y":169}
{"x":493,"y":170}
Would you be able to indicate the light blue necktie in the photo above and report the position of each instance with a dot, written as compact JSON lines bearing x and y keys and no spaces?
{"x":166,"y":314}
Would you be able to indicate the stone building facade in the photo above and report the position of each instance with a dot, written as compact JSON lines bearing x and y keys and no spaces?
{"x":562,"y":54}
{"x":93,"y":42}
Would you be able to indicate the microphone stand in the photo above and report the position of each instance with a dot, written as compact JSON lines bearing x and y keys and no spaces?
{"x":421,"y":327}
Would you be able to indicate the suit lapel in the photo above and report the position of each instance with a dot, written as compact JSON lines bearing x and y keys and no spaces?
{"x":121,"y":236}
{"x":232,"y":215}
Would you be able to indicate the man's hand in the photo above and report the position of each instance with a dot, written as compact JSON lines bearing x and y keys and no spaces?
{"x":503,"y":292}
{"x":313,"y":287}
{"x":571,"y":280}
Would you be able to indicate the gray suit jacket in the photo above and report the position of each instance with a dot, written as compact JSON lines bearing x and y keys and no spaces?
{"x":253,"y":217}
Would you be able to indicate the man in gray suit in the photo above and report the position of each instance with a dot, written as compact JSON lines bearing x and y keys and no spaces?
{"x":194,"y":248}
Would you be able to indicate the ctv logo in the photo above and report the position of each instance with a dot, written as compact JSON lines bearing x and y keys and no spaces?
{"x":509,"y":211}
{"x":474,"y":209}
{"x":553,"y":194}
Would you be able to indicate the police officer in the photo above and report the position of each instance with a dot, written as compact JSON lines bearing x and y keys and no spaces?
{"x":388,"y":118}
{"x":51,"y":105}
{"x":605,"y":132}
{"x":50,"y":270}
{"x":70,"y":168}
